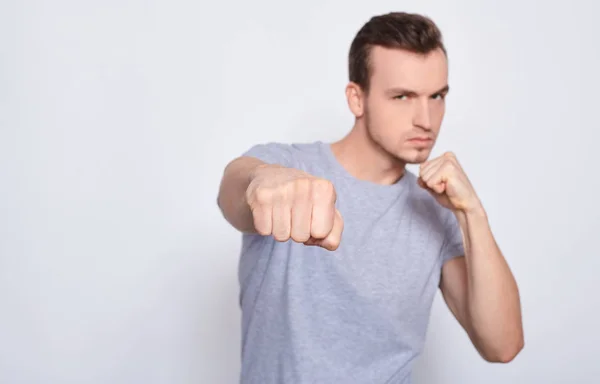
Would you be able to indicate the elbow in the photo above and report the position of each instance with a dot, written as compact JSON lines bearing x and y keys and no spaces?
{"x":220,"y":205}
{"x":505,"y":354}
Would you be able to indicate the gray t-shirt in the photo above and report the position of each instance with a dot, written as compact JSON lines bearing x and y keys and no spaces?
{"x":355,"y":315}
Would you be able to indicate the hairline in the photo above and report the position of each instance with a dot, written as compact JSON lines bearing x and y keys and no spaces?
{"x":369,"y":47}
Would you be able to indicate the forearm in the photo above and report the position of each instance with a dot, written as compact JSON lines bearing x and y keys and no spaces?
{"x":232,"y":193}
{"x":493,"y":304}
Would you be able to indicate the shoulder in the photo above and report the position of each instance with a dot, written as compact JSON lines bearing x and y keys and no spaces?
{"x":286,"y":154}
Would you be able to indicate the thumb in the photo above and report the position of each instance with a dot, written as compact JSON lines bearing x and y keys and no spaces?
{"x":436,"y":190}
{"x":332,"y":241}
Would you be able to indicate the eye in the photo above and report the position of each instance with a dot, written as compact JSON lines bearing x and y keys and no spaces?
{"x":438,"y":96}
{"x":401,"y":97}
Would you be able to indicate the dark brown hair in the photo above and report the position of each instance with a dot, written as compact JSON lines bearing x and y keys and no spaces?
{"x":411,"y":32}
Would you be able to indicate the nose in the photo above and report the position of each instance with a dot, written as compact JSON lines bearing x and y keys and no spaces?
{"x":421,"y":115}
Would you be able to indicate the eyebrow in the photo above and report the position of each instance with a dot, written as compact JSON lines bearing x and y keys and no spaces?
{"x":397,"y":90}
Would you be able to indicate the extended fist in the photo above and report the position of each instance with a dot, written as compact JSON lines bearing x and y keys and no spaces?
{"x":291,"y":204}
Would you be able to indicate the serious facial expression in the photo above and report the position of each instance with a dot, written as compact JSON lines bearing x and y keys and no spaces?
{"x":405,"y":103}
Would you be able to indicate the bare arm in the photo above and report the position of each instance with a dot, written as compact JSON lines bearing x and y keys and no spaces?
{"x":482,"y":293}
{"x":232,"y":192}
{"x":479,"y":288}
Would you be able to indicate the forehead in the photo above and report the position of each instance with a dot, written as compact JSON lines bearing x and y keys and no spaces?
{"x":415,"y":71}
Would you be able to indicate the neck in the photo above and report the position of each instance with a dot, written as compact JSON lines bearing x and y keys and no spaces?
{"x":364,"y":159}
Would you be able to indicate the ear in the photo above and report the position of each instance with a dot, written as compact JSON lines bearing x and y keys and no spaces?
{"x":356,"y":99}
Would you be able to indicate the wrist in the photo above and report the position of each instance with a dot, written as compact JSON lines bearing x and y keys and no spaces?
{"x":472,"y":212}
{"x":476,"y":210}
{"x":257,"y":169}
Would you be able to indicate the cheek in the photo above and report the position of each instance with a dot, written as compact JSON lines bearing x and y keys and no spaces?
{"x":391,"y":116}
{"x":436,"y":112}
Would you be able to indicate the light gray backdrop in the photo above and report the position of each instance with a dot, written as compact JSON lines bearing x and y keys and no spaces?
{"x":117,"y":118}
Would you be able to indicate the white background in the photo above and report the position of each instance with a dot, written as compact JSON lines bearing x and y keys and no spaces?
{"x":117,"y":118}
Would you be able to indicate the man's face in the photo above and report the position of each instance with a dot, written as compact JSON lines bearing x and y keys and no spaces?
{"x":405,"y":104}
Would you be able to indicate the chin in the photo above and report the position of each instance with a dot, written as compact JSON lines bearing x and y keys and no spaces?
{"x":414,"y":157}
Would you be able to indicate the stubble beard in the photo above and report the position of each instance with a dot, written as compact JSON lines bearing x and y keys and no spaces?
{"x":378,"y":144}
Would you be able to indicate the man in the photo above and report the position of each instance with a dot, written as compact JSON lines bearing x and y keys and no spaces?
{"x":343,"y":248}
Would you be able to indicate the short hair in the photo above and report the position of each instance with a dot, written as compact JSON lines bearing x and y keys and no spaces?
{"x":408,"y":31}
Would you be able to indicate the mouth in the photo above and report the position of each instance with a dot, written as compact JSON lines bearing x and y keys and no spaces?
{"x":421,"y":140}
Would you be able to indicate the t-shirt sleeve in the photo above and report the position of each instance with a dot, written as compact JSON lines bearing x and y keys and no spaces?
{"x":453,"y":241}
{"x":273,"y":153}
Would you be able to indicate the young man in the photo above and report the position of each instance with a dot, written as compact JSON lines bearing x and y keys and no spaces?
{"x":343,"y":248}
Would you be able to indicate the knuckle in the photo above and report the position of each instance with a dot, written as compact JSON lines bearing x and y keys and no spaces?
{"x":302,"y":183}
{"x":451,"y":157}
{"x":263,"y":195}
{"x":301,"y":187}
{"x":324,"y":189}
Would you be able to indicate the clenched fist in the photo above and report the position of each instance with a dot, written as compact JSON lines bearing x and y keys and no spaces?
{"x":291,"y":204}
{"x":445,"y":179}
